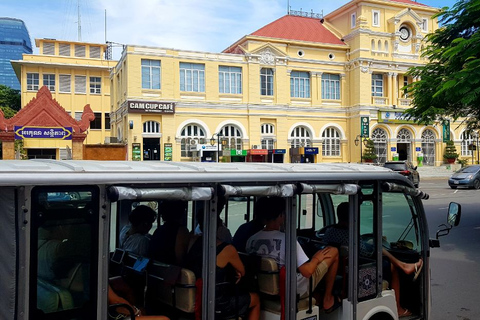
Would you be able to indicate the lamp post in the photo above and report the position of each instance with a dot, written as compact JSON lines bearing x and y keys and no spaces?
{"x":212,"y":142}
{"x":358,"y":140}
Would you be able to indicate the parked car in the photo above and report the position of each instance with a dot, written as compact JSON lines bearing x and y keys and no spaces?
{"x":405,"y":168}
{"x":468,"y":176}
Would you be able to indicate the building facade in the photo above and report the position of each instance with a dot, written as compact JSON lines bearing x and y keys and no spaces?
{"x":76,"y":74}
{"x":14,"y":42}
{"x":304,"y":88}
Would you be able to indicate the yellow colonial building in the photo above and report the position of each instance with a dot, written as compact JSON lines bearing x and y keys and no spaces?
{"x":76,"y":74}
{"x":304,"y":88}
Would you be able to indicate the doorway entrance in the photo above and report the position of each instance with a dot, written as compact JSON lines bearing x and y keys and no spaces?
{"x":404,"y":143}
{"x":151,"y":149}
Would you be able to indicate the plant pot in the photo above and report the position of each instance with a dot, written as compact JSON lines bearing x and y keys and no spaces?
{"x":368,"y":160}
{"x":451,"y":160}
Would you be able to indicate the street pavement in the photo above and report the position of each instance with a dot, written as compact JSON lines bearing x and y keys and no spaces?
{"x":440,"y":172}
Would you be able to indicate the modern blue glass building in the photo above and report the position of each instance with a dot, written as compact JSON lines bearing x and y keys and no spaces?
{"x":14,"y":41}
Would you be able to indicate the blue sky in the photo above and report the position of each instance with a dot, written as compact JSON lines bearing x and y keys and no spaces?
{"x":209,"y":25}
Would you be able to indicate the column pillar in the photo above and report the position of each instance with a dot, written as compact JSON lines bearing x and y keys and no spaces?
{"x":77,"y":146}
{"x":8,"y":145}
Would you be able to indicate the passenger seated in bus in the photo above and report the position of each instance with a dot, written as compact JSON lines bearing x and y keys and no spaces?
{"x":248,"y":229}
{"x":270,"y":242}
{"x":339,"y":234}
{"x":229,"y":301}
{"x":134,"y":237}
{"x":170,"y":241}
{"x":123,"y":313}
{"x":223,"y":233}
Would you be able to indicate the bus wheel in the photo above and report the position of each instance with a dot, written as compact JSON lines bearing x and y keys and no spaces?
{"x":381,"y":316}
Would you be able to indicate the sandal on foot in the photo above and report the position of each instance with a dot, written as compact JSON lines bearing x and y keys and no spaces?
{"x":417,"y":270}
{"x":336,"y":304}
{"x":405,"y":313}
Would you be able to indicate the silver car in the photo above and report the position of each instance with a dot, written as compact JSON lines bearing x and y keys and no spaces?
{"x":466,"y":177}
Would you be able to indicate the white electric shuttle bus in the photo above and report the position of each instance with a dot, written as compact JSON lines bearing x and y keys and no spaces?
{"x":60,"y":226}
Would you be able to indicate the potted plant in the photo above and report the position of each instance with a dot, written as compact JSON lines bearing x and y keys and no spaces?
{"x":369,"y":154}
{"x":450,"y":152}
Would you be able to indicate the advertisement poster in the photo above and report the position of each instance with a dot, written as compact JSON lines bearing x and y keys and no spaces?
{"x":167,"y":151}
{"x":136,"y":152}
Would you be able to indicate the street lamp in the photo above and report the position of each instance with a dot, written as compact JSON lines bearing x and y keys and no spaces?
{"x":212,"y":142}
{"x":359,"y":141}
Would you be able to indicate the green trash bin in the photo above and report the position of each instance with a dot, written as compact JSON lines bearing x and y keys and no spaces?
{"x":395,"y":157}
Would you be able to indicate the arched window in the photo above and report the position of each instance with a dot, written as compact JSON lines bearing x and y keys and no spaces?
{"x":331,"y":142}
{"x":379,"y":138}
{"x":267,"y":131}
{"x":300,"y":137}
{"x":151,"y":127}
{"x":191,"y":134}
{"x":428,"y":147}
{"x":379,"y":45}
{"x":467,"y":139}
{"x":373,"y":45}
{"x":386,"y":46}
{"x":232,"y":137}
{"x":404,"y":136}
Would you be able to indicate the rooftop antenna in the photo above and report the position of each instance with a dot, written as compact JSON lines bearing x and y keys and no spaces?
{"x":288,"y":6}
{"x":79,"y":22}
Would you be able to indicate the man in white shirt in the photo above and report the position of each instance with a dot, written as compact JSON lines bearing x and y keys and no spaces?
{"x":270,"y":242}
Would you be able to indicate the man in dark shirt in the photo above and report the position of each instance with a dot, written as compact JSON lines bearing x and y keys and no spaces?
{"x":248,"y":229}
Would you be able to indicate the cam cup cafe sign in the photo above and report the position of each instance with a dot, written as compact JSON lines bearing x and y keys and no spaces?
{"x":141,"y":106}
{"x":25,"y":132}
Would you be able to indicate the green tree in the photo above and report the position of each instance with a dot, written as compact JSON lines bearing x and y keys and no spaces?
{"x":10,"y":98}
{"x":449,"y":85}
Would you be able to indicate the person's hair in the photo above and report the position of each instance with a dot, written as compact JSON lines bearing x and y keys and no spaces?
{"x":142,"y":214}
{"x":270,"y":208}
{"x":342,"y":212}
{"x":172,"y":210}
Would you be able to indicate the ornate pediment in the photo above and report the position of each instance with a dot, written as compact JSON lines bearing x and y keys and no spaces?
{"x":44,"y":111}
{"x":406,"y":14}
{"x":268,"y":55}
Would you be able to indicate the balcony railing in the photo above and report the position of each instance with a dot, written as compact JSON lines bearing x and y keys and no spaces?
{"x":379,"y":100}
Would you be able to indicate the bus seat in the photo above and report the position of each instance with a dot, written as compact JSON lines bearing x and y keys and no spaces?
{"x":52,"y":298}
{"x":271,"y":282}
{"x":171,"y":285}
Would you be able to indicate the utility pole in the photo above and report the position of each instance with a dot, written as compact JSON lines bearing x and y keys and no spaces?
{"x":79,"y":22}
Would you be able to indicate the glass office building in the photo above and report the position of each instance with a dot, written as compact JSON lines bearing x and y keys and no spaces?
{"x":14,"y":41}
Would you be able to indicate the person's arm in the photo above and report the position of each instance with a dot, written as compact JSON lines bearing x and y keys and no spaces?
{"x":232,"y":257}
{"x":181,"y":245}
{"x":308,"y":268}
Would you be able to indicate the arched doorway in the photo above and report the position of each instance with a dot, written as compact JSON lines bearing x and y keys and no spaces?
{"x":379,"y":137}
{"x":428,"y":147}
{"x":404,"y":145}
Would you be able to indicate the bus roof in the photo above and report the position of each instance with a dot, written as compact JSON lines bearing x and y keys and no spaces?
{"x":39,"y":172}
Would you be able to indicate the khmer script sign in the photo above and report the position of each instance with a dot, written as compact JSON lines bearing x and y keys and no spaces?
{"x":25,"y":132}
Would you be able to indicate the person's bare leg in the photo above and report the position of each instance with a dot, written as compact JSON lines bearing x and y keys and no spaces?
{"x":332,"y":261}
{"x":408,"y":268}
{"x":254,"y":312}
{"x":395,"y":285}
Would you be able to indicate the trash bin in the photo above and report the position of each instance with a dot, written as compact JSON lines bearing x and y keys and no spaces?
{"x":395,"y":157}
{"x":419,"y":159}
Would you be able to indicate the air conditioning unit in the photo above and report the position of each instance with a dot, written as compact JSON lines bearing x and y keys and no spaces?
{"x":255,"y":146}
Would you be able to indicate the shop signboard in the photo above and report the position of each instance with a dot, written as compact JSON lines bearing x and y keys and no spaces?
{"x":309,"y":150}
{"x":446,"y":130}
{"x":365,"y":127}
{"x":142,"y":106}
{"x":167,"y":151}
{"x":26,"y":132}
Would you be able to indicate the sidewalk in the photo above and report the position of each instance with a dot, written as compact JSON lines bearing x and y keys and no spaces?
{"x":441,"y":172}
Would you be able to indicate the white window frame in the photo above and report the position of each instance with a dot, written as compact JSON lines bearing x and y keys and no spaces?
{"x":353,"y":20}
{"x":191,"y":133}
{"x":425,"y":24}
{"x":330,"y":87}
{"x":300,"y":84}
{"x":300,"y":137}
{"x":192,"y":77}
{"x":230,"y":79}
{"x":95,"y":85}
{"x":266,"y":82}
{"x":467,"y":139}
{"x":33,"y":81}
{"x":331,"y":146}
{"x":150,"y":68}
{"x":377,"y":14}
{"x":49,"y":81}
{"x":267,"y":132}
{"x":375,"y":84}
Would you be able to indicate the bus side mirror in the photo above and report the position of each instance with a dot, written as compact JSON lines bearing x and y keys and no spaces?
{"x":453,"y":219}
{"x":454,"y":214}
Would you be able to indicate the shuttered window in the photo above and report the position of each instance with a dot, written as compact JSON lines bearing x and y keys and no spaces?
{"x":65,"y":83}
{"x":64,"y":49}
{"x":79,"y":51}
{"x":49,"y":48}
{"x":95,"y":52}
{"x":80,"y":84}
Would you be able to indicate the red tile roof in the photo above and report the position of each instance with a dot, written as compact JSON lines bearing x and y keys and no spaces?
{"x":298,"y":28}
{"x":410,"y":2}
